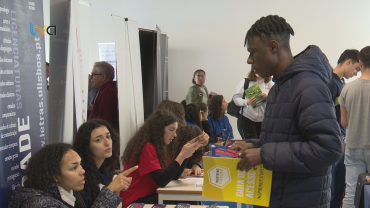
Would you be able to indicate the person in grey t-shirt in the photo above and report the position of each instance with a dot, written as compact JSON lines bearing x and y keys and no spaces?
{"x":355,"y":115}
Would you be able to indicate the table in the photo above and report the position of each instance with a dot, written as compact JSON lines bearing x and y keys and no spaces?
{"x":183,"y":190}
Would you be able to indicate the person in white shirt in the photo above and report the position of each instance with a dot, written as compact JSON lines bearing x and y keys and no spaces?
{"x":250,"y":118}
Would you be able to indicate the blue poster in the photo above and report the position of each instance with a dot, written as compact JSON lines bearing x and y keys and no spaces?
{"x":23,"y":89}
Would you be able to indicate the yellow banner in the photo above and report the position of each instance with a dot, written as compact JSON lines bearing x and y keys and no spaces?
{"x":223,"y":181}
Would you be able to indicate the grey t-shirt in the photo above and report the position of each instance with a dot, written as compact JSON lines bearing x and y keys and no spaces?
{"x":355,"y":98}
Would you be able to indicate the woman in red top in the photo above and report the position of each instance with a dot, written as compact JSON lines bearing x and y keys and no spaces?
{"x":147,"y":149}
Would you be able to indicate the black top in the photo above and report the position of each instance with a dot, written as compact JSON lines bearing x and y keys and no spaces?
{"x":104,"y":179}
{"x":172,"y":172}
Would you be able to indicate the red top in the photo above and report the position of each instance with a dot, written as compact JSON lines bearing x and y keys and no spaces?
{"x":142,"y":183}
{"x":106,"y":105}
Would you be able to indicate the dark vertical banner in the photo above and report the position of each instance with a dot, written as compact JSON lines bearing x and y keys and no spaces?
{"x":23,"y":91}
{"x":59,"y":16}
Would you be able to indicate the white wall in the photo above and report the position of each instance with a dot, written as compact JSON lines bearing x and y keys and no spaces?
{"x":46,"y":8}
{"x":210,"y":34}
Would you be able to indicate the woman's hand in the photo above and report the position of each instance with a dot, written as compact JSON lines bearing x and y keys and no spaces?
{"x":185,"y":173}
{"x":252,"y":101}
{"x":189,"y":148}
{"x":262,"y":96}
{"x":121,"y":182}
{"x":196,"y":170}
{"x":203,"y":139}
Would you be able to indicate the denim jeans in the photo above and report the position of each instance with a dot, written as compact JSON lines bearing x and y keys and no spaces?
{"x":357,"y":161}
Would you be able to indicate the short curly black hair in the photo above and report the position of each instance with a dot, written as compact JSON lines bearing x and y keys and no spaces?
{"x":271,"y":26}
{"x":45,"y":166}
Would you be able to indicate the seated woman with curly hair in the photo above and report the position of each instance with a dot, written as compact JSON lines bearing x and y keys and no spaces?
{"x":97,"y":143}
{"x":219,"y":122}
{"x":52,"y":175}
{"x":148,"y":149}
{"x":184,"y":135}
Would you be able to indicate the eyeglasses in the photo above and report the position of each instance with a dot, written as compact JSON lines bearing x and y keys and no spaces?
{"x":92,"y":74}
{"x":200,"y":77}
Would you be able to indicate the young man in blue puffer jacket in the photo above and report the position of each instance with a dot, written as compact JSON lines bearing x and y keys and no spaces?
{"x":300,"y":137}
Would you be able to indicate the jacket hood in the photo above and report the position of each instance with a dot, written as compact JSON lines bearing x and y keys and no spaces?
{"x":21,"y":195}
{"x":312,"y":59}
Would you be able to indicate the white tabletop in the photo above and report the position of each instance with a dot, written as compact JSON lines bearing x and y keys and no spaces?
{"x":183,"y":190}
{"x":181,"y":186}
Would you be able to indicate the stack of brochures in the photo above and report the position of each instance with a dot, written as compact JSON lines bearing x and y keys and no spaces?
{"x":219,"y":151}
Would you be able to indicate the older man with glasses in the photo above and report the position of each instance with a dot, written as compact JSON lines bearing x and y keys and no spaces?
{"x":105,"y":103}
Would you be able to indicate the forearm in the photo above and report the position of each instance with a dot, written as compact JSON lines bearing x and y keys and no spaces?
{"x":172,"y":172}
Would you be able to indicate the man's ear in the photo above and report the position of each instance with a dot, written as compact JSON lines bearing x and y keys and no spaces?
{"x":104,"y":77}
{"x":274,"y":46}
{"x":348,"y":62}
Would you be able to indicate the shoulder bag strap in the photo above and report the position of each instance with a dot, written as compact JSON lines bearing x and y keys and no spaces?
{"x":246,"y":85}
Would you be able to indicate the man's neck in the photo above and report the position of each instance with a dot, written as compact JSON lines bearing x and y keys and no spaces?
{"x":104,"y":83}
{"x":338,"y":70}
{"x":365,"y":74}
{"x":287,"y":58}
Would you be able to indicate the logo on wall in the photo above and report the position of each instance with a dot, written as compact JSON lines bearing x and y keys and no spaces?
{"x":51,"y":30}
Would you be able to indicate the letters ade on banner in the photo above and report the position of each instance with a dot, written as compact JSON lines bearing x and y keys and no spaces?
{"x":23,"y":93}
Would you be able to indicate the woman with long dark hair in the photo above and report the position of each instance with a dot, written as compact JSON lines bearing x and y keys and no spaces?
{"x":193,"y":115}
{"x":204,"y":112}
{"x":52,"y":176}
{"x":148,"y":149}
{"x":97,"y":143}
{"x":219,"y":122}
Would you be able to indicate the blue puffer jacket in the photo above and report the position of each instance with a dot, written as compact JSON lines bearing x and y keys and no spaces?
{"x":300,"y":137}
